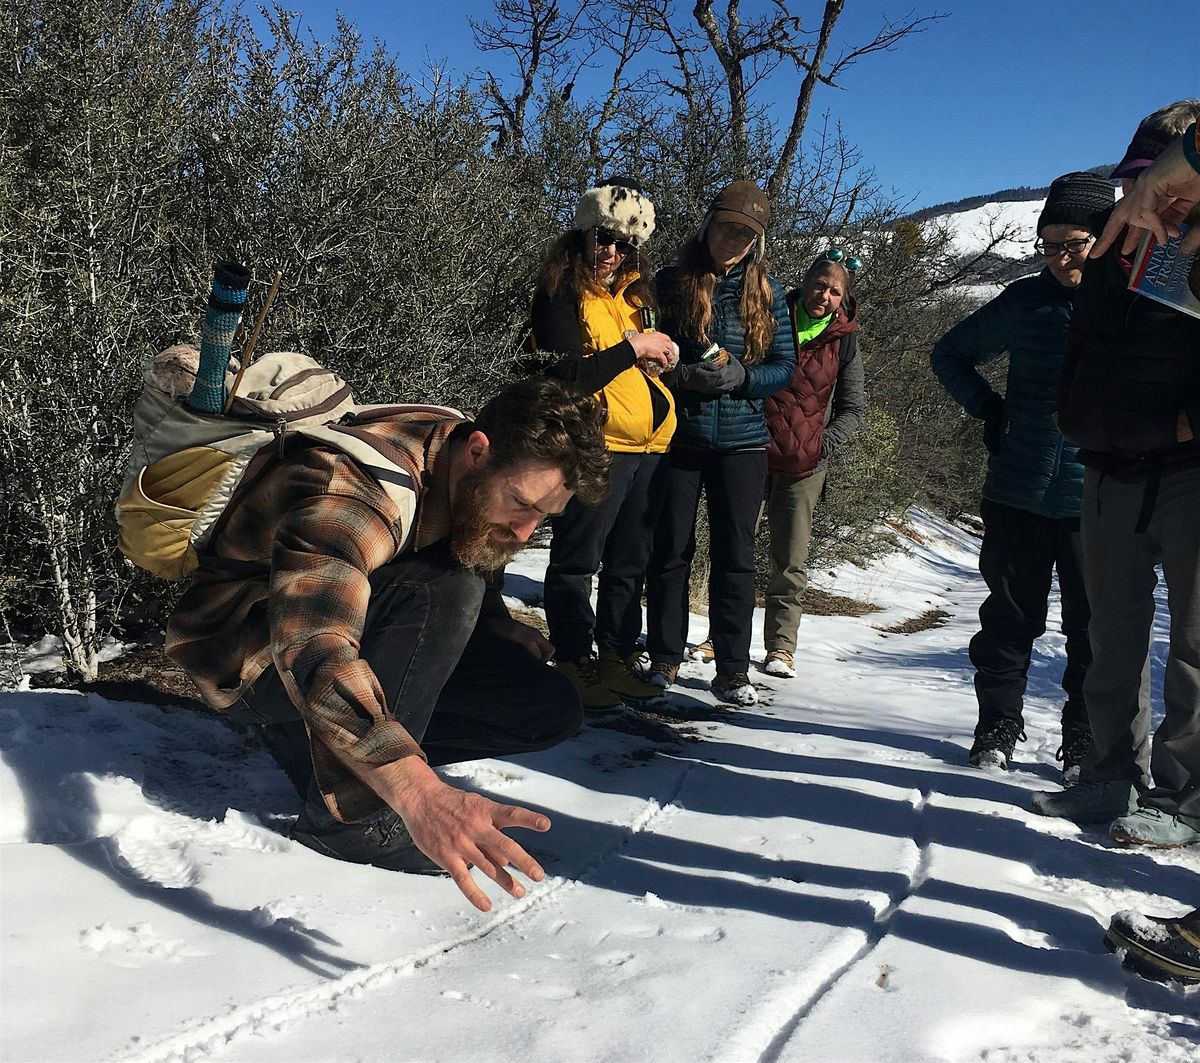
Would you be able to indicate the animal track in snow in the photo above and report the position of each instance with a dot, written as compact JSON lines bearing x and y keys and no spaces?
{"x":143,"y":851}
{"x":895,"y":756}
{"x":134,"y":947}
{"x":488,"y":777}
{"x":616,"y":958}
{"x":556,"y":992}
{"x":467,"y":998}
{"x":699,"y":933}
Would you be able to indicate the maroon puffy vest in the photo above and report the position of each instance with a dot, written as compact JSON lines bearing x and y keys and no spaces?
{"x":796,"y":416}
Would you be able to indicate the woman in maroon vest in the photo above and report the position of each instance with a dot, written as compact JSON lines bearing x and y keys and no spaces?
{"x":820,"y":409}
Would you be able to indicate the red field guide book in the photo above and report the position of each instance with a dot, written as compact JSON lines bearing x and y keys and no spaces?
{"x":1160,"y":272}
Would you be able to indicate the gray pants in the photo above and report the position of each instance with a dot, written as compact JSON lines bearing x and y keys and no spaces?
{"x":790,"y":505}
{"x":1119,"y":567}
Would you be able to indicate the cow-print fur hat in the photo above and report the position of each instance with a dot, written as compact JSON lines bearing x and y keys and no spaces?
{"x":619,"y":205}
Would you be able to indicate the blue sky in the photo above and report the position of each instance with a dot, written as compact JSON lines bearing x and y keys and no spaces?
{"x":1001,"y":93}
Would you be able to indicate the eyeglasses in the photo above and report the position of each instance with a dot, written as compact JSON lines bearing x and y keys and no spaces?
{"x":605,"y":238}
{"x":1054,"y":248}
{"x":836,"y":254}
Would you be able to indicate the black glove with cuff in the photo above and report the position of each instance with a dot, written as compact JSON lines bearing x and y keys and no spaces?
{"x":992,"y":415}
{"x":709,"y":379}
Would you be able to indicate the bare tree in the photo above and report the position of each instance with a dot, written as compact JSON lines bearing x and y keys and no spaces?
{"x":537,"y":37}
{"x":750,"y":50}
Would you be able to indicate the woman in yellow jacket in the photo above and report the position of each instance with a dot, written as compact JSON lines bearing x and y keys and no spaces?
{"x":593,"y":314}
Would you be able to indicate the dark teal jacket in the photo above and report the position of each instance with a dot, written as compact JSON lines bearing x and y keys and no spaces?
{"x":733,"y":421}
{"x":1034,"y":468}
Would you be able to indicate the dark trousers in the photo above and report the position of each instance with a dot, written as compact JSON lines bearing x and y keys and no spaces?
{"x":1121,"y":575}
{"x":733,"y":482}
{"x":614,"y":539}
{"x":462,"y":691}
{"x":1020,"y":553}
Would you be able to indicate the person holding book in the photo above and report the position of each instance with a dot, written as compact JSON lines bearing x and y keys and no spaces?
{"x":730,"y":318}
{"x":591,"y":317}
{"x":1160,"y":199}
{"x":1031,"y":497}
{"x":819,"y":409}
{"x":1130,"y":398}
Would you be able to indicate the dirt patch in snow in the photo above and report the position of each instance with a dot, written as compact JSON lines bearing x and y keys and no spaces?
{"x":143,"y":674}
{"x":928,"y":620}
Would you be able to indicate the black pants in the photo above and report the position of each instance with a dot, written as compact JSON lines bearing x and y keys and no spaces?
{"x":1020,"y":552}
{"x":459,"y":689}
{"x":733,"y":482}
{"x":614,"y":539}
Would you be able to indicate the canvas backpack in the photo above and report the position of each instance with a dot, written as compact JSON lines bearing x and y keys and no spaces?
{"x":186,"y":467}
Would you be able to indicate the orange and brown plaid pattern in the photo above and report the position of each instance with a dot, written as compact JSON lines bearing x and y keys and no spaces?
{"x":287,"y":581}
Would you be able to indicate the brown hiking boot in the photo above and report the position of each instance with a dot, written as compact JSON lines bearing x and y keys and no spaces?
{"x":662,"y":674}
{"x":734,"y":689}
{"x":703,"y":651}
{"x":584,"y":673}
{"x":780,"y":663}
{"x":617,"y":675}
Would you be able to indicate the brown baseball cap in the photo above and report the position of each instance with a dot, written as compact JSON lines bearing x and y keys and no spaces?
{"x":745,"y":203}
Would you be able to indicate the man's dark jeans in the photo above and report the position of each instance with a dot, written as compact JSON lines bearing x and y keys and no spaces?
{"x":462,"y":691}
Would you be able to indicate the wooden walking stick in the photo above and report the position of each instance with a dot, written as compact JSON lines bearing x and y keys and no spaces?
{"x":247,"y":353}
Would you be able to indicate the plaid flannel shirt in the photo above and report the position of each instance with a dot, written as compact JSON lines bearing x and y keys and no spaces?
{"x":288,"y":583}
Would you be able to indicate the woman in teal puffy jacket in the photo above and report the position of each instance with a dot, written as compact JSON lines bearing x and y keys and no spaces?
{"x":719,"y":297}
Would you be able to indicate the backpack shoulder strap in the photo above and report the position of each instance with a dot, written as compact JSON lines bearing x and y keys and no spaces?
{"x":376,"y":457}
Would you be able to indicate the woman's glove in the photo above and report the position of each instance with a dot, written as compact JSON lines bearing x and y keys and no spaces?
{"x":709,"y":379}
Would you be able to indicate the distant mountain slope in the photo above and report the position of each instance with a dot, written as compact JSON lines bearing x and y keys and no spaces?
{"x":1020,"y":194}
{"x":974,"y":222}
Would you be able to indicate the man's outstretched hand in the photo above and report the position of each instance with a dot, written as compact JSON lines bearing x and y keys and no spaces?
{"x":455,"y":828}
{"x":1159,"y":201}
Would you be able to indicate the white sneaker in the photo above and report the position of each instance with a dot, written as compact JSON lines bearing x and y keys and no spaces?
{"x":780,"y":663}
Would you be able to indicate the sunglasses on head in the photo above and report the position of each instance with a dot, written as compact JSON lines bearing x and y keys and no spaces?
{"x":836,"y":254}
{"x":607,"y":238}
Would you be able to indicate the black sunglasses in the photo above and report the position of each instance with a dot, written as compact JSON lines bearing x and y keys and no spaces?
{"x":836,"y":254}
{"x":606,"y":238}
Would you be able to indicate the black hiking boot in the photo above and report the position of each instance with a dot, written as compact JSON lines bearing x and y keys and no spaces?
{"x":1076,"y":745}
{"x":1166,"y":950}
{"x":993,"y":747}
{"x":381,"y":840}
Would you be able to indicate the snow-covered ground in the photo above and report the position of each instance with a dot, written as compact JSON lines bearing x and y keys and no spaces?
{"x":819,"y":878}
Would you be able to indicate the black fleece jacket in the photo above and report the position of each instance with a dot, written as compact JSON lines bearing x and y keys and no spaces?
{"x":1132,"y":366}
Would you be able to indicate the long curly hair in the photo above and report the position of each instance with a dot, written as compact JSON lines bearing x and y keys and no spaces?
{"x":691,"y":294}
{"x":565,"y":270}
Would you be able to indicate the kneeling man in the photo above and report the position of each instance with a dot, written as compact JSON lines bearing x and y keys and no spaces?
{"x":364,"y":635}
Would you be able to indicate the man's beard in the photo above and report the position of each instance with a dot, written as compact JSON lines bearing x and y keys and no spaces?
{"x":471,"y":533}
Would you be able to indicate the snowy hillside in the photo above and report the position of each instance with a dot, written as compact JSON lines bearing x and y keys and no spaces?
{"x":819,"y":878}
{"x":972,"y":229}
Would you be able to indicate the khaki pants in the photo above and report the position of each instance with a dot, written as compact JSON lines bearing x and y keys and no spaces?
{"x":789,"y":509}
